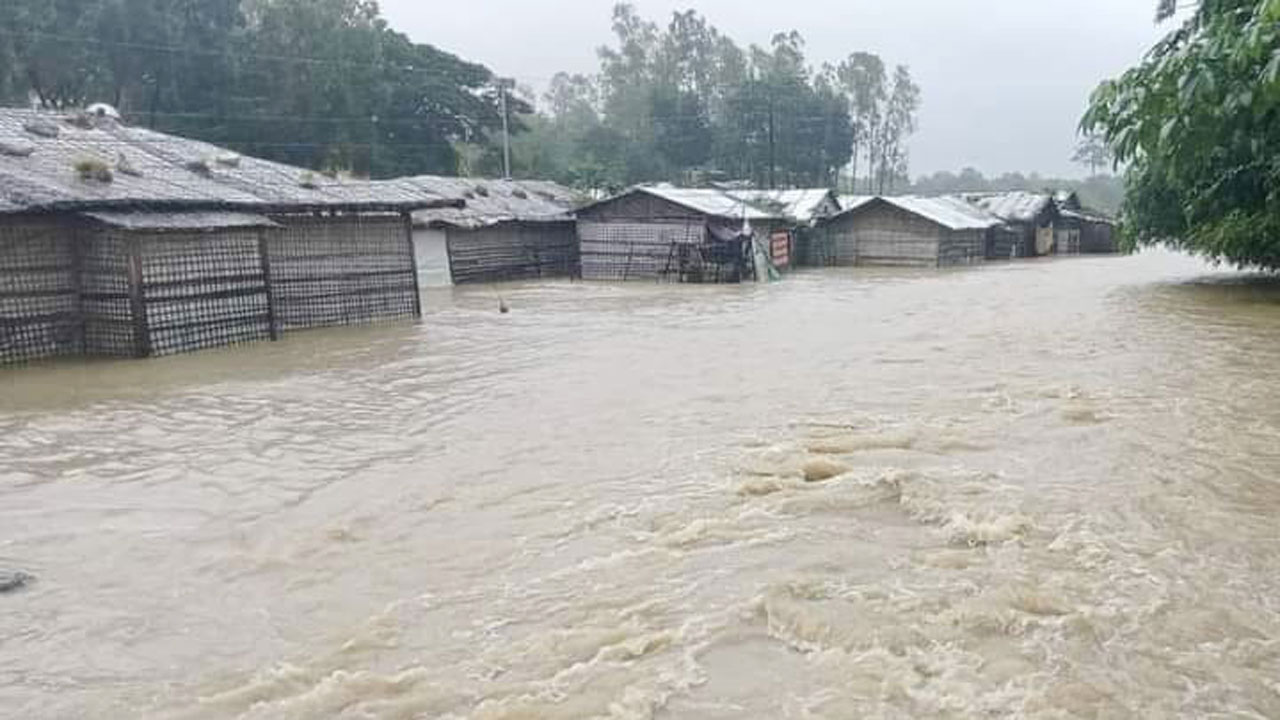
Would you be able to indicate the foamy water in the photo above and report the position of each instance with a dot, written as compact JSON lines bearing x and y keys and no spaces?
{"x":1040,"y":490}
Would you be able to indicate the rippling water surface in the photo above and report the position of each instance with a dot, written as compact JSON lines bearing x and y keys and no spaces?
{"x":1046,"y":489}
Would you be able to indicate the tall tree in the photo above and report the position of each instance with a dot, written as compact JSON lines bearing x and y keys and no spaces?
{"x":864,"y":80}
{"x":899,"y":124}
{"x":1092,"y":152}
{"x":1198,"y":126}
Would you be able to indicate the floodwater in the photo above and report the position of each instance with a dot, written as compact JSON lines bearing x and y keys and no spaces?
{"x":1045,"y":490}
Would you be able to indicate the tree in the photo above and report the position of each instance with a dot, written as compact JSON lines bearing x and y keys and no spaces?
{"x":863,"y":79}
{"x":1197,"y":124}
{"x":899,"y":124}
{"x":320,"y":83}
{"x":1092,"y":152}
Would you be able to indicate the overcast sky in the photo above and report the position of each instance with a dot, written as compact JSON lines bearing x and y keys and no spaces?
{"x":1004,"y":81}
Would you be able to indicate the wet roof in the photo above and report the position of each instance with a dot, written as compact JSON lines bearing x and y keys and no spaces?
{"x":849,"y":202}
{"x":949,"y":212}
{"x":716,"y":203}
{"x":489,"y":202}
{"x":48,"y":162}
{"x":160,"y":221}
{"x":1015,"y":206}
{"x":803,"y":205}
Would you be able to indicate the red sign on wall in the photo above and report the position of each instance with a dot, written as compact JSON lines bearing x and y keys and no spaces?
{"x":780,"y":248}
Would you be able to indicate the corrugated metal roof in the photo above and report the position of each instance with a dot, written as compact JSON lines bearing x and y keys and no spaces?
{"x":1016,"y":206}
{"x":151,"y":170}
{"x":849,"y":202}
{"x":949,"y":212}
{"x":492,"y":201}
{"x":716,"y":203}
{"x":803,"y":205}
{"x":180,"y":221}
{"x":1087,"y":216}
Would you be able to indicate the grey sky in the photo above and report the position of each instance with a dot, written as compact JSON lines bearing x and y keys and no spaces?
{"x":1004,"y":81}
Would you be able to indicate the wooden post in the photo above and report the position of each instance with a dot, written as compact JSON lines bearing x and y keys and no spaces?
{"x":137,"y":299}
{"x":264,"y":258}
{"x":413,"y":263}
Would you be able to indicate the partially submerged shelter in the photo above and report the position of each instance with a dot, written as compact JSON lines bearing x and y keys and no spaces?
{"x":1094,"y":233}
{"x":672,"y":234}
{"x":1081,"y":230}
{"x":908,"y":231}
{"x":1031,"y":217}
{"x":507,"y":230}
{"x":802,"y":209}
{"x":121,"y":241}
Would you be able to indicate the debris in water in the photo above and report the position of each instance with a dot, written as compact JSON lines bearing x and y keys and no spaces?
{"x":821,"y":470}
{"x":13,"y":581}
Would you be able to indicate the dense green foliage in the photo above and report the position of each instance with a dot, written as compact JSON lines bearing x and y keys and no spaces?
{"x":685,"y":103}
{"x":320,"y":83}
{"x":1198,"y":126}
{"x":1101,"y":192}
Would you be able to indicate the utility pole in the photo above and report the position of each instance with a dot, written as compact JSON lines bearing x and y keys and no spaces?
{"x":503,"y":84}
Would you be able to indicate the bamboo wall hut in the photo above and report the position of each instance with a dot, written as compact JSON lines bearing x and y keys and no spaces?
{"x":802,"y":209}
{"x":674,"y":235}
{"x":120,"y":241}
{"x":1087,"y":231}
{"x":908,"y":231}
{"x":507,"y":230}
{"x":1096,"y":232}
{"x":1032,"y":218}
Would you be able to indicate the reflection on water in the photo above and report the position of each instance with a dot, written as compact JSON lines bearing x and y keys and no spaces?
{"x":1044,"y":489}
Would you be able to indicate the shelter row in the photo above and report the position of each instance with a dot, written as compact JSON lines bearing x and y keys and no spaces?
{"x":512,"y":230}
{"x":120,"y":241}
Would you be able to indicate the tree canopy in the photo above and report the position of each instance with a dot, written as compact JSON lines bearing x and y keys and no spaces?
{"x":320,"y":83}
{"x":685,"y":103}
{"x":1197,"y":124}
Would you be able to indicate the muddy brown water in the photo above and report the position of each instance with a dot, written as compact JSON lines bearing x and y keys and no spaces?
{"x":1047,"y":489}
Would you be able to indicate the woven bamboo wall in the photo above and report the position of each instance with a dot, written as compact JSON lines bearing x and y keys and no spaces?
{"x":39,"y":297}
{"x":883,"y":235}
{"x":962,"y":247}
{"x":342,"y":270}
{"x":1098,"y":237}
{"x":655,"y":250}
{"x":107,"y":297}
{"x":513,"y":251}
{"x":1003,"y":243}
{"x":202,"y":290}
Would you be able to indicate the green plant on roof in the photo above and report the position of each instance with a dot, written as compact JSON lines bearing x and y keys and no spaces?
{"x":94,"y":170}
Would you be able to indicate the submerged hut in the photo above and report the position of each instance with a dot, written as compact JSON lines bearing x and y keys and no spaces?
{"x":673,"y":234}
{"x":121,"y":241}
{"x":908,"y":231}
{"x":1081,"y":230}
{"x":507,"y":230}
{"x":1030,"y":220}
{"x":802,"y":210}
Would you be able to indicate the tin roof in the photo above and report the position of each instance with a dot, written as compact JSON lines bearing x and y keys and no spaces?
{"x":1015,"y":206}
{"x":849,"y":202}
{"x":491,"y":201}
{"x":803,"y":206}
{"x":716,"y":203}
{"x":948,"y":212}
{"x":160,"y":221}
{"x":55,"y":161}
